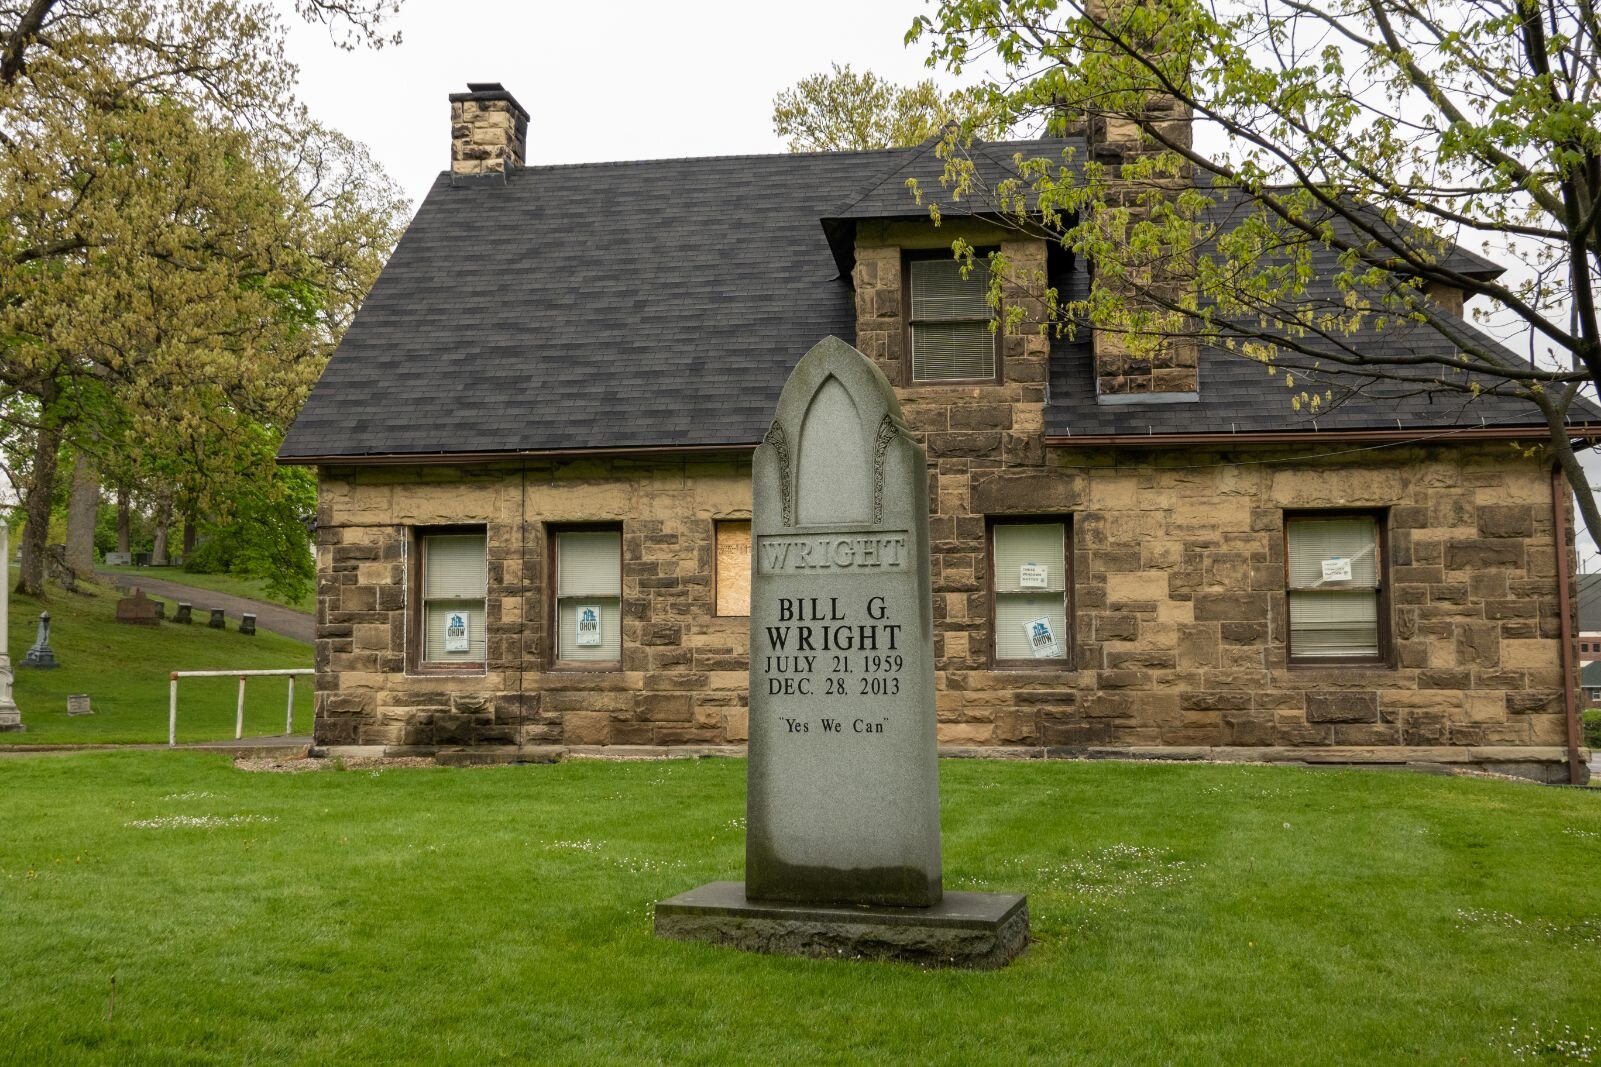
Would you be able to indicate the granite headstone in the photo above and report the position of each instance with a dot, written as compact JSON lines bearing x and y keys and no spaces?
{"x":843,"y":800}
{"x":842,"y":830}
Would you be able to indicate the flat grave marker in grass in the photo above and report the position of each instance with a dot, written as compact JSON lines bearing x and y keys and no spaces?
{"x":843,"y":836}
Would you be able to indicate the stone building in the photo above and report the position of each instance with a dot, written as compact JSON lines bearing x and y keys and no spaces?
{"x":534,"y":457}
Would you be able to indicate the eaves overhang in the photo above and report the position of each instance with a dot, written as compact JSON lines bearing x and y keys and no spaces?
{"x":451,"y":459}
{"x":1589,"y":433}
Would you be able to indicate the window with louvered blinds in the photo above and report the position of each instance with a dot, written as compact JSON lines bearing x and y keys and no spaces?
{"x":453,"y":591}
{"x":1030,"y":584}
{"x":950,"y":319}
{"x":589,"y":588}
{"x":1334,"y":585}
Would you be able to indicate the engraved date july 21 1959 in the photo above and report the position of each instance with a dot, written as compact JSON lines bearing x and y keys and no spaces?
{"x":823,"y":648}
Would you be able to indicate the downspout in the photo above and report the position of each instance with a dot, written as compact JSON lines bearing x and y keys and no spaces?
{"x":1559,"y":533}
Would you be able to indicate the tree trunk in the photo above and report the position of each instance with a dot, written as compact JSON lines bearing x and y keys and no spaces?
{"x":190,"y":534}
{"x":36,"y":531}
{"x":82,"y":513}
{"x":163,"y":518}
{"x":124,"y":521}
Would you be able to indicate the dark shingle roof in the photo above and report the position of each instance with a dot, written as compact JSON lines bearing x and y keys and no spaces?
{"x":663,"y":304}
{"x":1238,"y":395}
{"x":625,"y":304}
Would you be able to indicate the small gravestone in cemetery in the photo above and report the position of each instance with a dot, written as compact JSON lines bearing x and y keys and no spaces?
{"x":41,"y":654}
{"x":161,"y":609}
{"x":137,"y":610}
{"x":842,"y":830}
{"x":78,"y":704}
{"x":119,"y":559}
{"x":247,"y":624}
{"x":183,"y":615}
{"x":218,"y":622}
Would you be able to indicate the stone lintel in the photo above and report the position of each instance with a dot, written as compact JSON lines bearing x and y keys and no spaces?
{"x":978,"y":931}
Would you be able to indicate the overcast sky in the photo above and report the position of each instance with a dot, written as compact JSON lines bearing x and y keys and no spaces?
{"x":627,"y":79}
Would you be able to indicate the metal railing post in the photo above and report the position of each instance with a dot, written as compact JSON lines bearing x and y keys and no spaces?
{"x":172,"y":712}
{"x":289,"y":712}
{"x":239,"y":714}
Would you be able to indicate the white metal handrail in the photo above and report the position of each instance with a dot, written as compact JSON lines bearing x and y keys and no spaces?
{"x":239,"y":714}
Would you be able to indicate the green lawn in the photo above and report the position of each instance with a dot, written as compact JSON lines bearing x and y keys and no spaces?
{"x":1181,"y":914}
{"x":124,"y":669}
{"x":219,"y":583}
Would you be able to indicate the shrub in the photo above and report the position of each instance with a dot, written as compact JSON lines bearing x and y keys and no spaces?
{"x":1592,"y":727}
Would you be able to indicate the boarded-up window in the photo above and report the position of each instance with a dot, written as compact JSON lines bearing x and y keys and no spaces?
{"x":589,"y":590}
{"x":950,"y":317}
{"x":1029,"y":582}
{"x":1335,"y":573}
{"x":733,"y":568}
{"x":453,"y":598}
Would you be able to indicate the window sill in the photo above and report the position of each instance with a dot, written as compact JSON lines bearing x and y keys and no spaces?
{"x":1339,"y":661}
{"x":449,"y":668}
{"x":586,"y":667}
{"x":1037,"y":666}
{"x":936,"y":383}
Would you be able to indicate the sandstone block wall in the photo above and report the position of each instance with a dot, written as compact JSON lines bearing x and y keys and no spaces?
{"x":683,"y":668}
{"x":1179,"y":610}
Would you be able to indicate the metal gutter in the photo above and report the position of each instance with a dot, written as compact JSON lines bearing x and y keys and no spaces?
{"x":427,"y":459}
{"x":1291,"y":437}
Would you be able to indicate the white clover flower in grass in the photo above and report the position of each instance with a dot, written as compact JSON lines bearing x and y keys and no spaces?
{"x":1583,"y":932}
{"x":1550,"y":1043}
{"x":198,"y":822}
{"x":585,"y":845}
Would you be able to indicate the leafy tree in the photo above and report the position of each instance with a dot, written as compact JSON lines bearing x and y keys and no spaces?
{"x":180,"y":245}
{"x":846,"y":111}
{"x":1378,"y":133}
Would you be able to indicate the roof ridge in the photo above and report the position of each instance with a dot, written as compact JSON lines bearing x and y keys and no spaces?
{"x":697,"y":159}
{"x":916,"y":152}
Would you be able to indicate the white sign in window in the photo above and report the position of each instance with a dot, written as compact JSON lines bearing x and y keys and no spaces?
{"x":1042,"y":639}
{"x":457,"y":624}
{"x":586,"y":630}
{"x":1337,"y":569}
{"x":1030,"y":583}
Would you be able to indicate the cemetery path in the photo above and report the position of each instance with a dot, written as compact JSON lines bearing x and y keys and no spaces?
{"x":269,"y":616}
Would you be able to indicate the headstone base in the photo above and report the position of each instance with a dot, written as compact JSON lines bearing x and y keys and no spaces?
{"x":980,"y":931}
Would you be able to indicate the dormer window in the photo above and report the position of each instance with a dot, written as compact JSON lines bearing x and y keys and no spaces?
{"x":948,"y":321}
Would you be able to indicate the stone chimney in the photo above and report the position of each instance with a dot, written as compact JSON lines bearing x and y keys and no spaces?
{"x":488,"y":130}
{"x":1154,"y":365}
